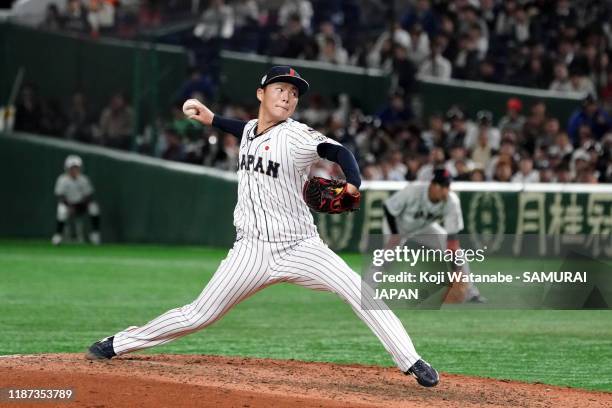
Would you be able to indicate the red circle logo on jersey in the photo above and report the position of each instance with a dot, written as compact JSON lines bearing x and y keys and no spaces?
{"x":267,"y":147}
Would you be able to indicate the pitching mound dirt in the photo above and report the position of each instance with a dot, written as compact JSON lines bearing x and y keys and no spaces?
{"x":211,"y":381}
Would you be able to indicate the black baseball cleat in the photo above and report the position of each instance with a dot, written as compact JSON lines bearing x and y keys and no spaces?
{"x":425,"y":374}
{"x":101,"y":350}
{"x":477,"y":299}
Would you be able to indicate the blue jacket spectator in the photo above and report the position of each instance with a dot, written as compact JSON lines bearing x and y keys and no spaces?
{"x":396,"y":112}
{"x":197,"y":84}
{"x":592,"y":115}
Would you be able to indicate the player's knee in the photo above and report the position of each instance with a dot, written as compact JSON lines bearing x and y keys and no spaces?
{"x":93,"y":209}
{"x":197,"y":319}
{"x":62,"y":212}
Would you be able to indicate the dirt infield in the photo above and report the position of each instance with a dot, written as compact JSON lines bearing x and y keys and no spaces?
{"x":210,"y":381}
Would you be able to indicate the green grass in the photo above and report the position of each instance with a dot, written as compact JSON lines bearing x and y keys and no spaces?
{"x":61,"y":299}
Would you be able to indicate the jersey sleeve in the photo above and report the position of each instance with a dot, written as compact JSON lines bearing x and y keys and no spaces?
{"x":399,"y":201}
{"x":87,"y":186}
{"x":60,"y":186}
{"x":303,"y":144}
{"x":453,"y":217}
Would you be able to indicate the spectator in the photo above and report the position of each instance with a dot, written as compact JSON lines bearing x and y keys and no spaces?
{"x":53,"y":18}
{"x":562,"y":145}
{"x":382,"y":53}
{"x":480,"y":41}
{"x":396,"y":113}
{"x":117,"y":123}
{"x":405,"y":71}
{"x":315,"y":112}
{"x":506,"y":19}
{"x":372,"y":172}
{"x":196,"y":86}
{"x":561,"y":82}
{"x":579,"y":82}
{"x":478,"y":175}
{"x":535,"y":75}
{"x":418,"y":45}
{"x":591,"y":115}
{"x":459,"y":128}
{"x":566,"y":51}
{"x":469,"y":19}
{"x":149,"y":14}
{"x":302,"y":9}
{"x":295,"y":43}
{"x":526,"y":173}
{"x":226,"y":157}
{"x":435,"y":135}
{"x":327,"y":30}
{"x":436,"y":65}
{"x":606,"y":92}
{"x":548,"y":136}
{"x":488,"y":13}
{"x":246,"y":13}
{"x":397,"y":169}
{"x":422,"y":14}
{"x":484,"y":121}
{"x":534,"y":126}
{"x":463,"y":171}
{"x":217,"y":22}
{"x":28,"y":115}
{"x":332,"y":53}
{"x":466,"y":61}
{"x":436,"y":160}
{"x":547,"y":175}
{"x":521,"y":31}
{"x":487,"y":73}
{"x":174,"y":149}
{"x":80,"y":119}
{"x":413,"y":164}
{"x":75,"y":17}
{"x":482,"y":152}
{"x":503,"y":172}
{"x":100,"y":16}
{"x":563,"y":174}
{"x":513,"y":118}
{"x":458,"y":154}
{"x":605,"y":160}
{"x":53,"y":120}
{"x":506,"y":154}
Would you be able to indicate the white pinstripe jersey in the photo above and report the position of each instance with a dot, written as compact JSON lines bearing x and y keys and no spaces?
{"x":413,"y":210}
{"x":272,"y":169}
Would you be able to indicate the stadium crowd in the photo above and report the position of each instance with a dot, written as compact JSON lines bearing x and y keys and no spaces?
{"x":559,"y":45}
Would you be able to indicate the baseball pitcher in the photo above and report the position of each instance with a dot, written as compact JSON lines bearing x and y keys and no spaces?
{"x":276,"y":237}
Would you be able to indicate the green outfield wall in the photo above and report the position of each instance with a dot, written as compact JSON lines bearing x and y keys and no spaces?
{"x":141,"y":199}
{"x":151,"y":200}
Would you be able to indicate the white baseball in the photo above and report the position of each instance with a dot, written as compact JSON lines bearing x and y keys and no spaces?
{"x":190,"y":107}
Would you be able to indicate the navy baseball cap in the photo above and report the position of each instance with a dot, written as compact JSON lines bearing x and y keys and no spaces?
{"x":441,"y":177}
{"x":284,"y":73}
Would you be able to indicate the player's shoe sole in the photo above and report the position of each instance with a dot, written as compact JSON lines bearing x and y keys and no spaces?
{"x":101,"y":350}
{"x":426,"y":375}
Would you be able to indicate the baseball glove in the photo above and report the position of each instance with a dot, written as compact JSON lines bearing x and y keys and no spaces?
{"x":329,"y":196}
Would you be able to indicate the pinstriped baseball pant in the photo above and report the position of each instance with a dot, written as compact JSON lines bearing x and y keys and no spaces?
{"x":252,"y":265}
